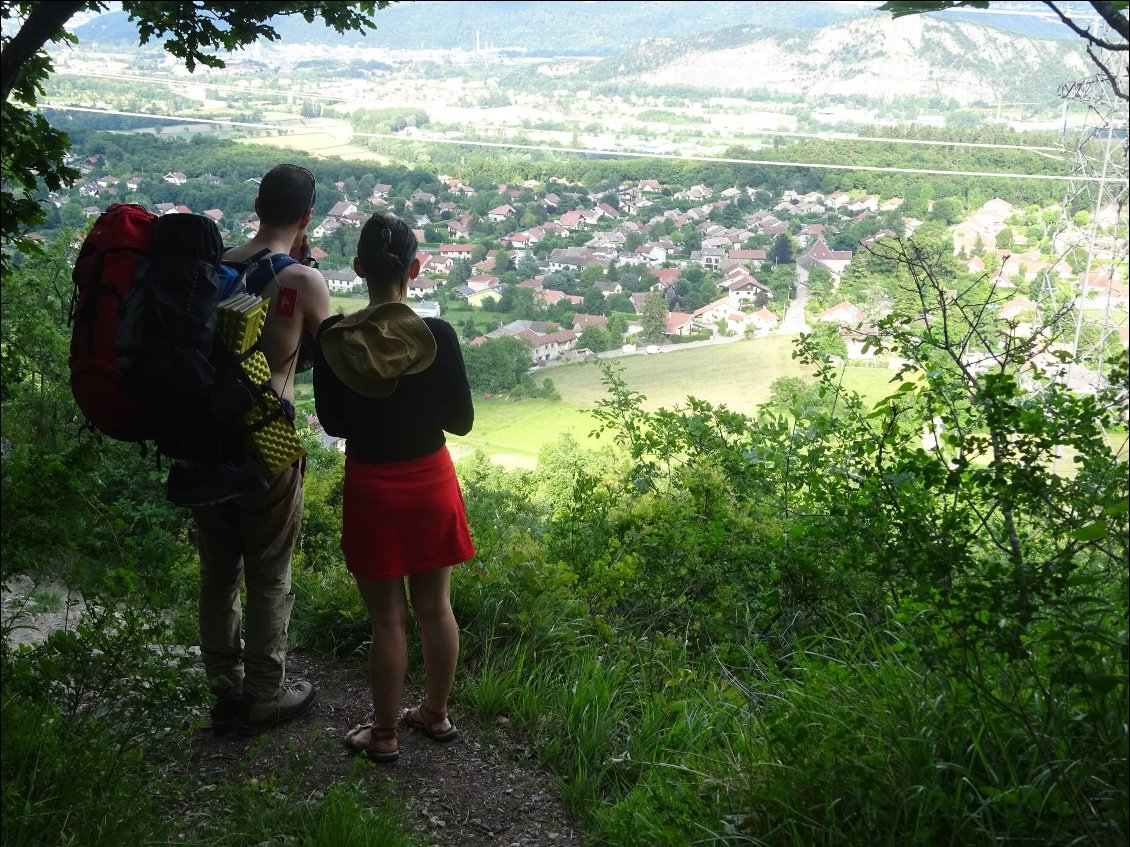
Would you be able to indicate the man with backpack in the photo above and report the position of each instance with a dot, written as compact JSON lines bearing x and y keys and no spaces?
{"x":251,"y":537}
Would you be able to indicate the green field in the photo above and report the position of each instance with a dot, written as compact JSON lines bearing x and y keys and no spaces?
{"x":512,"y":433}
{"x":736,"y":375}
{"x":347,"y":305}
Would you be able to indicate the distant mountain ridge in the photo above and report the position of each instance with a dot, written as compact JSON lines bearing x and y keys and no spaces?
{"x":576,"y":28}
{"x":540,"y":28}
{"x":874,"y":56}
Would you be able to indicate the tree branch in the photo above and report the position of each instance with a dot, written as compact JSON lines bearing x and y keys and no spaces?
{"x":44,"y":21}
{"x":1116,"y":21}
{"x":1110,"y":77}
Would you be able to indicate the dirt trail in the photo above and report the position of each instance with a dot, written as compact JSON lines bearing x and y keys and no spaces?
{"x":485,"y":789}
{"x":472,"y":792}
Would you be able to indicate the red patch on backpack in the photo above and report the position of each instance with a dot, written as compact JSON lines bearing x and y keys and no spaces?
{"x":288,"y":298}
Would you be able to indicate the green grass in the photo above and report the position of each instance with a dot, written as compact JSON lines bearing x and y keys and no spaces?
{"x":347,"y":305}
{"x":736,"y":375}
{"x":512,"y":433}
{"x":651,"y":745}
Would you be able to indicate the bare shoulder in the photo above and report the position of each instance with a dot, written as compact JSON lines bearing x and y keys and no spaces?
{"x":301,"y":276}
{"x":309,"y":294}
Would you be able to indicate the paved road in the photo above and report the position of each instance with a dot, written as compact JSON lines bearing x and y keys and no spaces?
{"x":794,"y":322}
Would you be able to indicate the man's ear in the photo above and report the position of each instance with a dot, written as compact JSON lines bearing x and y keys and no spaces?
{"x":358,"y":268}
{"x":257,"y":207}
{"x":414,"y":271}
{"x":306,"y":218}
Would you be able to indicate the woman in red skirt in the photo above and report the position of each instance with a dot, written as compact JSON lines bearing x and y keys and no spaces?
{"x":391,"y":383}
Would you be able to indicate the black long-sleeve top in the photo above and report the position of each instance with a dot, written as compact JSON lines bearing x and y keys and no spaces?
{"x":410,"y":422}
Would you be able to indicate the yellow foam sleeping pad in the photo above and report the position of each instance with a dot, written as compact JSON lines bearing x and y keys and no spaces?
{"x":276,"y":445}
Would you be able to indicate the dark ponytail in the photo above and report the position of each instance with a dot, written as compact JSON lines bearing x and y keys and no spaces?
{"x":386,"y":249}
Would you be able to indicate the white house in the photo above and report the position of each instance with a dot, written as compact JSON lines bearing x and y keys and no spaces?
{"x":574,"y":258}
{"x":679,"y":323}
{"x":501,"y":213}
{"x":325,"y":228}
{"x":456,"y":252}
{"x":711,"y":258}
{"x":842,"y":313}
{"x":341,"y":281}
{"x":421,"y":288}
{"x":762,"y":320}
{"x":547,"y":340}
{"x":819,"y":254}
{"x":342,"y":208}
{"x":480,"y":282}
{"x":711,"y":313}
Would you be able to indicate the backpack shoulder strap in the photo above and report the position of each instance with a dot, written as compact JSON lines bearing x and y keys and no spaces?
{"x":258,"y":279}
{"x":250,"y":260}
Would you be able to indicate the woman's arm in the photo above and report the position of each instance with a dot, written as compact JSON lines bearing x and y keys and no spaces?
{"x":457,"y":414}
{"x":330,"y":394}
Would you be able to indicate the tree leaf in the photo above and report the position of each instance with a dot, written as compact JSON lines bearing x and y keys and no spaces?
{"x":1090,"y":532}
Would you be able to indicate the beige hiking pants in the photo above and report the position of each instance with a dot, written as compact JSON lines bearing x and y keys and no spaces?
{"x":248,"y":539}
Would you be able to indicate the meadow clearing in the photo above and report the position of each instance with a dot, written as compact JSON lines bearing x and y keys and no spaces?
{"x":737,"y":375}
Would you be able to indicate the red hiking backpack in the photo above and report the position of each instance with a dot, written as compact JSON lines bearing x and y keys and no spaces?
{"x":107,"y":263}
{"x":144,"y":315}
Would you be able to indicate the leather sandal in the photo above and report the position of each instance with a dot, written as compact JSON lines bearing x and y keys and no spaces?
{"x":436,"y":725}
{"x":369,"y":750}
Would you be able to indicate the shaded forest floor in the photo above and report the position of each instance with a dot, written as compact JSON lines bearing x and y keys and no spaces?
{"x":485,"y":789}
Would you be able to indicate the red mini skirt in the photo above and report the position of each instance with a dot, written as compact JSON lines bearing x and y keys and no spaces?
{"x":402,"y":518}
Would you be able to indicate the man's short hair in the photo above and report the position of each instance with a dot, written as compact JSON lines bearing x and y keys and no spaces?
{"x":286,"y":193}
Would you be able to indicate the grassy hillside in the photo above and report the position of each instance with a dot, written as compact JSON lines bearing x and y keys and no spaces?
{"x":512,"y":433}
{"x":736,"y":375}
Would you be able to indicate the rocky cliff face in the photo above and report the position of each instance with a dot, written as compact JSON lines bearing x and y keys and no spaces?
{"x":875,"y":56}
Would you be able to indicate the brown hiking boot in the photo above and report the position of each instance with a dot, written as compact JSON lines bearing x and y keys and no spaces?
{"x":224,"y":713}
{"x":294,"y":699}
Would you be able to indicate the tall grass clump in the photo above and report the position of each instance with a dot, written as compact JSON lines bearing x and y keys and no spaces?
{"x":271,"y":810}
{"x":91,"y":719}
{"x":809,"y":627}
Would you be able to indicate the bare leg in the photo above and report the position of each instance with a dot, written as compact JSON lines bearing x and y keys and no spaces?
{"x":388,"y":653}
{"x":430,"y":593}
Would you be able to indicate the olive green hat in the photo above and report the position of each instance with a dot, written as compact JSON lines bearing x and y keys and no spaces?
{"x":372,"y":348}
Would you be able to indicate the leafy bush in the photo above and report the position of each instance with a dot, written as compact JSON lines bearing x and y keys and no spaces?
{"x":89,"y":719}
{"x":94,"y":516}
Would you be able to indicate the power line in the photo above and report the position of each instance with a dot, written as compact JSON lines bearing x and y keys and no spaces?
{"x":732,"y":161}
{"x":180,"y":83}
{"x":636,"y":154}
{"x":835,"y":136}
{"x":828,"y":136}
